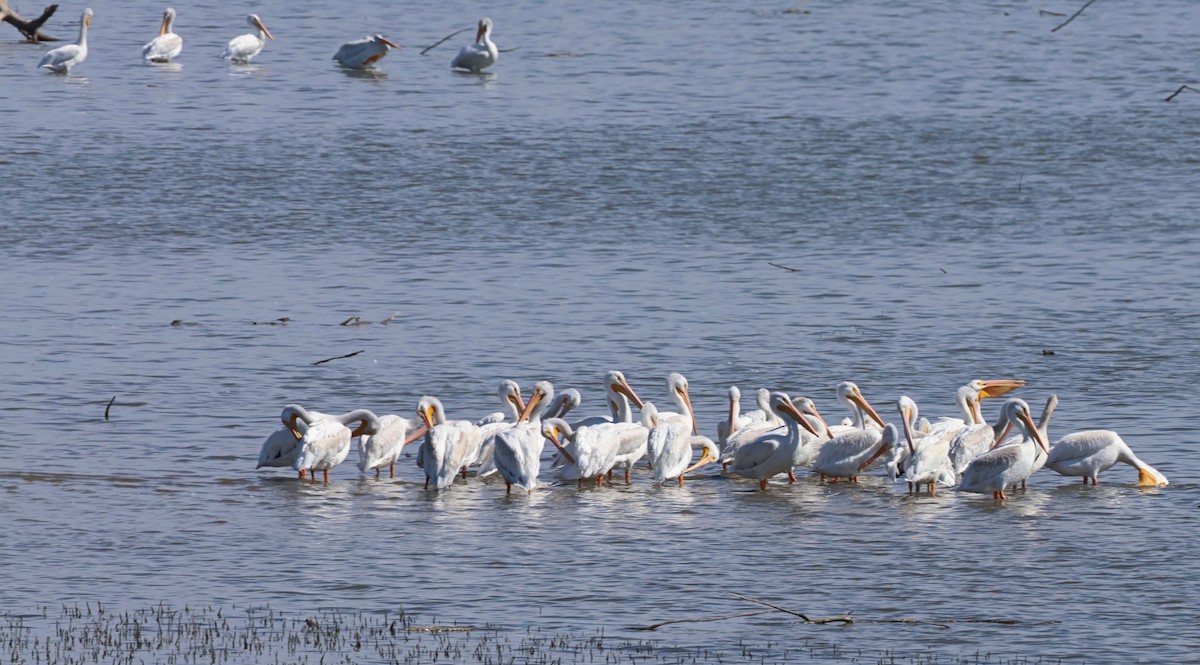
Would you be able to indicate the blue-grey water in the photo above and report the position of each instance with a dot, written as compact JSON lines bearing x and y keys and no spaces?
{"x":957,"y":190}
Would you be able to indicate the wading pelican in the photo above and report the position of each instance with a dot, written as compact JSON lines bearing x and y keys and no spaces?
{"x":763,"y":397}
{"x":677,"y":386}
{"x":444,"y":453}
{"x":63,"y":58}
{"x":281,"y":447}
{"x":326,"y":442}
{"x":773,"y":453}
{"x":853,"y":450}
{"x":244,"y":47}
{"x":589,"y":451}
{"x":677,"y":453}
{"x":1008,"y":465}
{"x":929,"y":459}
{"x":167,"y":44}
{"x":491,"y":424}
{"x":362,"y":53}
{"x":1089,"y":452}
{"x":518,"y":449}
{"x":852,"y":398}
{"x":383,"y":448}
{"x":480,"y":55}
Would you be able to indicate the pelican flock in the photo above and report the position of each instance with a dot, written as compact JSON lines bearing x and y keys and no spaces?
{"x":960,"y":451}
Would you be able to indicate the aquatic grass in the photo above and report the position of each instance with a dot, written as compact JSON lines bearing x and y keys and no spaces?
{"x":88,"y":634}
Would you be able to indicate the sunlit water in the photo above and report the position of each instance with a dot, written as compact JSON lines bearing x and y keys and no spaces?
{"x":957,"y":190}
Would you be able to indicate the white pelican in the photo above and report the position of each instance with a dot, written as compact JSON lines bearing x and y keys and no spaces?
{"x":847,"y":452}
{"x":1089,"y":452}
{"x":489,"y":425}
{"x":383,"y":448}
{"x":589,"y":451}
{"x":63,"y":58}
{"x":244,"y":47}
{"x":281,"y":446}
{"x":517,"y":450}
{"x":1008,"y":465}
{"x":167,"y":44}
{"x":617,"y":394}
{"x":977,"y":436}
{"x":480,"y":55}
{"x":773,"y":453}
{"x":444,"y":453}
{"x":852,"y":398}
{"x":736,"y":419}
{"x":677,"y":386}
{"x":677,"y":454}
{"x":362,"y":53}
{"x":763,"y":397}
{"x":326,"y":442}
{"x":930,"y":459}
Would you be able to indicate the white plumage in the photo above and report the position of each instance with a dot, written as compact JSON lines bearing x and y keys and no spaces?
{"x":362,"y":53}
{"x":480,"y":55}
{"x":243,"y":48}
{"x":1090,"y":452}
{"x":63,"y":58}
{"x":167,"y":44}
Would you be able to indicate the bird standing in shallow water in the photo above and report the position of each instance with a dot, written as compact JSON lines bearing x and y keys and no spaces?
{"x":478,"y":56}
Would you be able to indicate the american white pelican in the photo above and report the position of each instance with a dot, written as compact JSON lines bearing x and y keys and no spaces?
{"x":852,"y":398}
{"x":736,"y":419}
{"x":1008,"y":465}
{"x":977,"y":436}
{"x":512,"y":407}
{"x":326,"y":442}
{"x":480,"y":55}
{"x":281,"y":446}
{"x":927,"y":461}
{"x":63,"y":58}
{"x":589,"y":451}
{"x":852,"y":450}
{"x":617,"y":394}
{"x":763,"y":397}
{"x":444,"y":453}
{"x":243,"y":48}
{"x":167,"y":44}
{"x":677,"y":454}
{"x":772,"y":453}
{"x":1089,"y":452}
{"x":383,"y":448}
{"x":677,"y":386}
{"x":362,"y":53}
{"x":517,"y":450}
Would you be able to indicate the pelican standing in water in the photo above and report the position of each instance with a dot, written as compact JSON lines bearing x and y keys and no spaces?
{"x":1002,"y":467}
{"x":362,"y":53}
{"x":773,"y":453}
{"x":383,"y":448}
{"x":677,"y":385}
{"x":63,"y":58}
{"x":478,"y":56}
{"x":326,"y":442}
{"x":927,"y":460}
{"x":677,"y":453}
{"x":589,"y":451}
{"x":281,"y":446}
{"x":243,"y":48}
{"x":1088,"y":453}
{"x":167,"y":44}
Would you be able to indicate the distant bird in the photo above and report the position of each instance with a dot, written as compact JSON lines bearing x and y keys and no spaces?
{"x":480,"y":55}
{"x":244,"y":47}
{"x":167,"y":44}
{"x":362,"y":53}
{"x":63,"y":58}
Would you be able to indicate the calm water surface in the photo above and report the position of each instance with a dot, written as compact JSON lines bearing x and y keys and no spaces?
{"x":956,"y":188}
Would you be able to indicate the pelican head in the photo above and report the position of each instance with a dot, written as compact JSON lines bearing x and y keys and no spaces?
{"x":510,"y":393}
{"x":293,"y":413}
{"x":368,"y":422}
{"x":564,"y":402}
{"x":677,"y":385}
{"x":735,"y":394}
{"x":808,"y":408}
{"x":886,"y":442}
{"x":908,"y":416}
{"x":782,"y":404}
{"x":649,"y":415}
{"x":994,"y":387}
{"x":380,"y":39}
{"x":557,"y":430}
{"x":485,"y":29}
{"x":168,"y":20}
{"x":430,"y":410}
{"x":616,"y":383}
{"x":543,"y":391}
{"x":1148,"y":476}
{"x":848,"y":393}
{"x":1018,"y":414}
{"x":86,"y":18}
{"x":708,"y":453}
{"x":256,"y":22}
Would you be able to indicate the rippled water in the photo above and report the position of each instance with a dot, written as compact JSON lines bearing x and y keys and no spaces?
{"x":957,"y":190}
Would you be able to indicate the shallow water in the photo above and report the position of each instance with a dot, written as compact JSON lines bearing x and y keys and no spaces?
{"x":958,"y":192}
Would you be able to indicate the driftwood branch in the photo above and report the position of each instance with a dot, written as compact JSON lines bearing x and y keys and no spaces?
{"x":1064,"y":23}
{"x":391,"y":317}
{"x":660,"y":624}
{"x":31,"y":29}
{"x":354,"y":321}
{"x":1181,"y":89}
{"x":348,"y":355}
{"x":776,"y":265}
{"x":847,"y":620}
{"x":443,"y":40}
{"x":110,"y":403}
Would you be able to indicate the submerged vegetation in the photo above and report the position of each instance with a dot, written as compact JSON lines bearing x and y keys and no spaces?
{"x":75,"y":635}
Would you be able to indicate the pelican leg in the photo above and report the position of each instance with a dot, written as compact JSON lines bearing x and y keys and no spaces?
{"x":464,"y":473}
{"x":1003,"y":497}
{"x":724,"y":467}
{"x":600,"y":480}
{"x":627,"y":481}
{"x":933,"y":489}
{"x":376,"y":472}
{"x":762,"y":485}
{"x":579,"y":483}
{"x":791,"y":476}
{"x":610,"y":475}
{"x":426,"y":482}
{"x":910,"y":487}
{"x":507,"y":488}
{"x":1095,"y":481}
{"x":822,"y":477}
{"x":995,"y":495}
{"x":681,"y":481}
{"x":392,"y":470}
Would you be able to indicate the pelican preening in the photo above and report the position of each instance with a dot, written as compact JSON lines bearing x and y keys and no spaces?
{"x":362,"y":53}
{"x":243,"y":48}
{"x":478,"y":56}
{"x":63,"y":58}
{"x":383,"y":448}
{"x":167,"y":44}
{"x":326,"y":442}
{"x":1004,"y":466}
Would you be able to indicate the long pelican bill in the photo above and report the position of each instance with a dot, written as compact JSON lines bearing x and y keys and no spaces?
{"x":861,"y":401}
{"x":879,"y":451}
{"x":824,"y":425}
{"x":384,"y":40}
{"x":415,"y":435}
{"x":427,"y":416}
{"x":1034,"y":431}
{"x":479,"y":33}
{"x":905,"y":415}
{"x":705,"y":458}
{"x":692,"y":412}
{"x":790,"y":409}
{"x":259,"y":23}
{"x":998,"y":387}
{"x":553,"y":434}
{"x":534,"y":400}
{"x":163,"y":29}
{"x":1149,"y":477}
{"x":623,"y":388}
{"x":1003,"y":435}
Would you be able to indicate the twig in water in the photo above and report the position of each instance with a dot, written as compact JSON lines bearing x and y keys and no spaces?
{"x":776,"y":265}
{"x":1181,"y":89}
{"x":1064,"y":23}
{"x":656,"y":626}
{"x":507,"y":50}
{"x":391,"y":316}
{"x":110,"y":403}
{"x":348,"y":355}
{"x":354,"y":321}
{"x":281,"y":321}
{"x":443,"y":39}
{"x":1047,"y":12}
